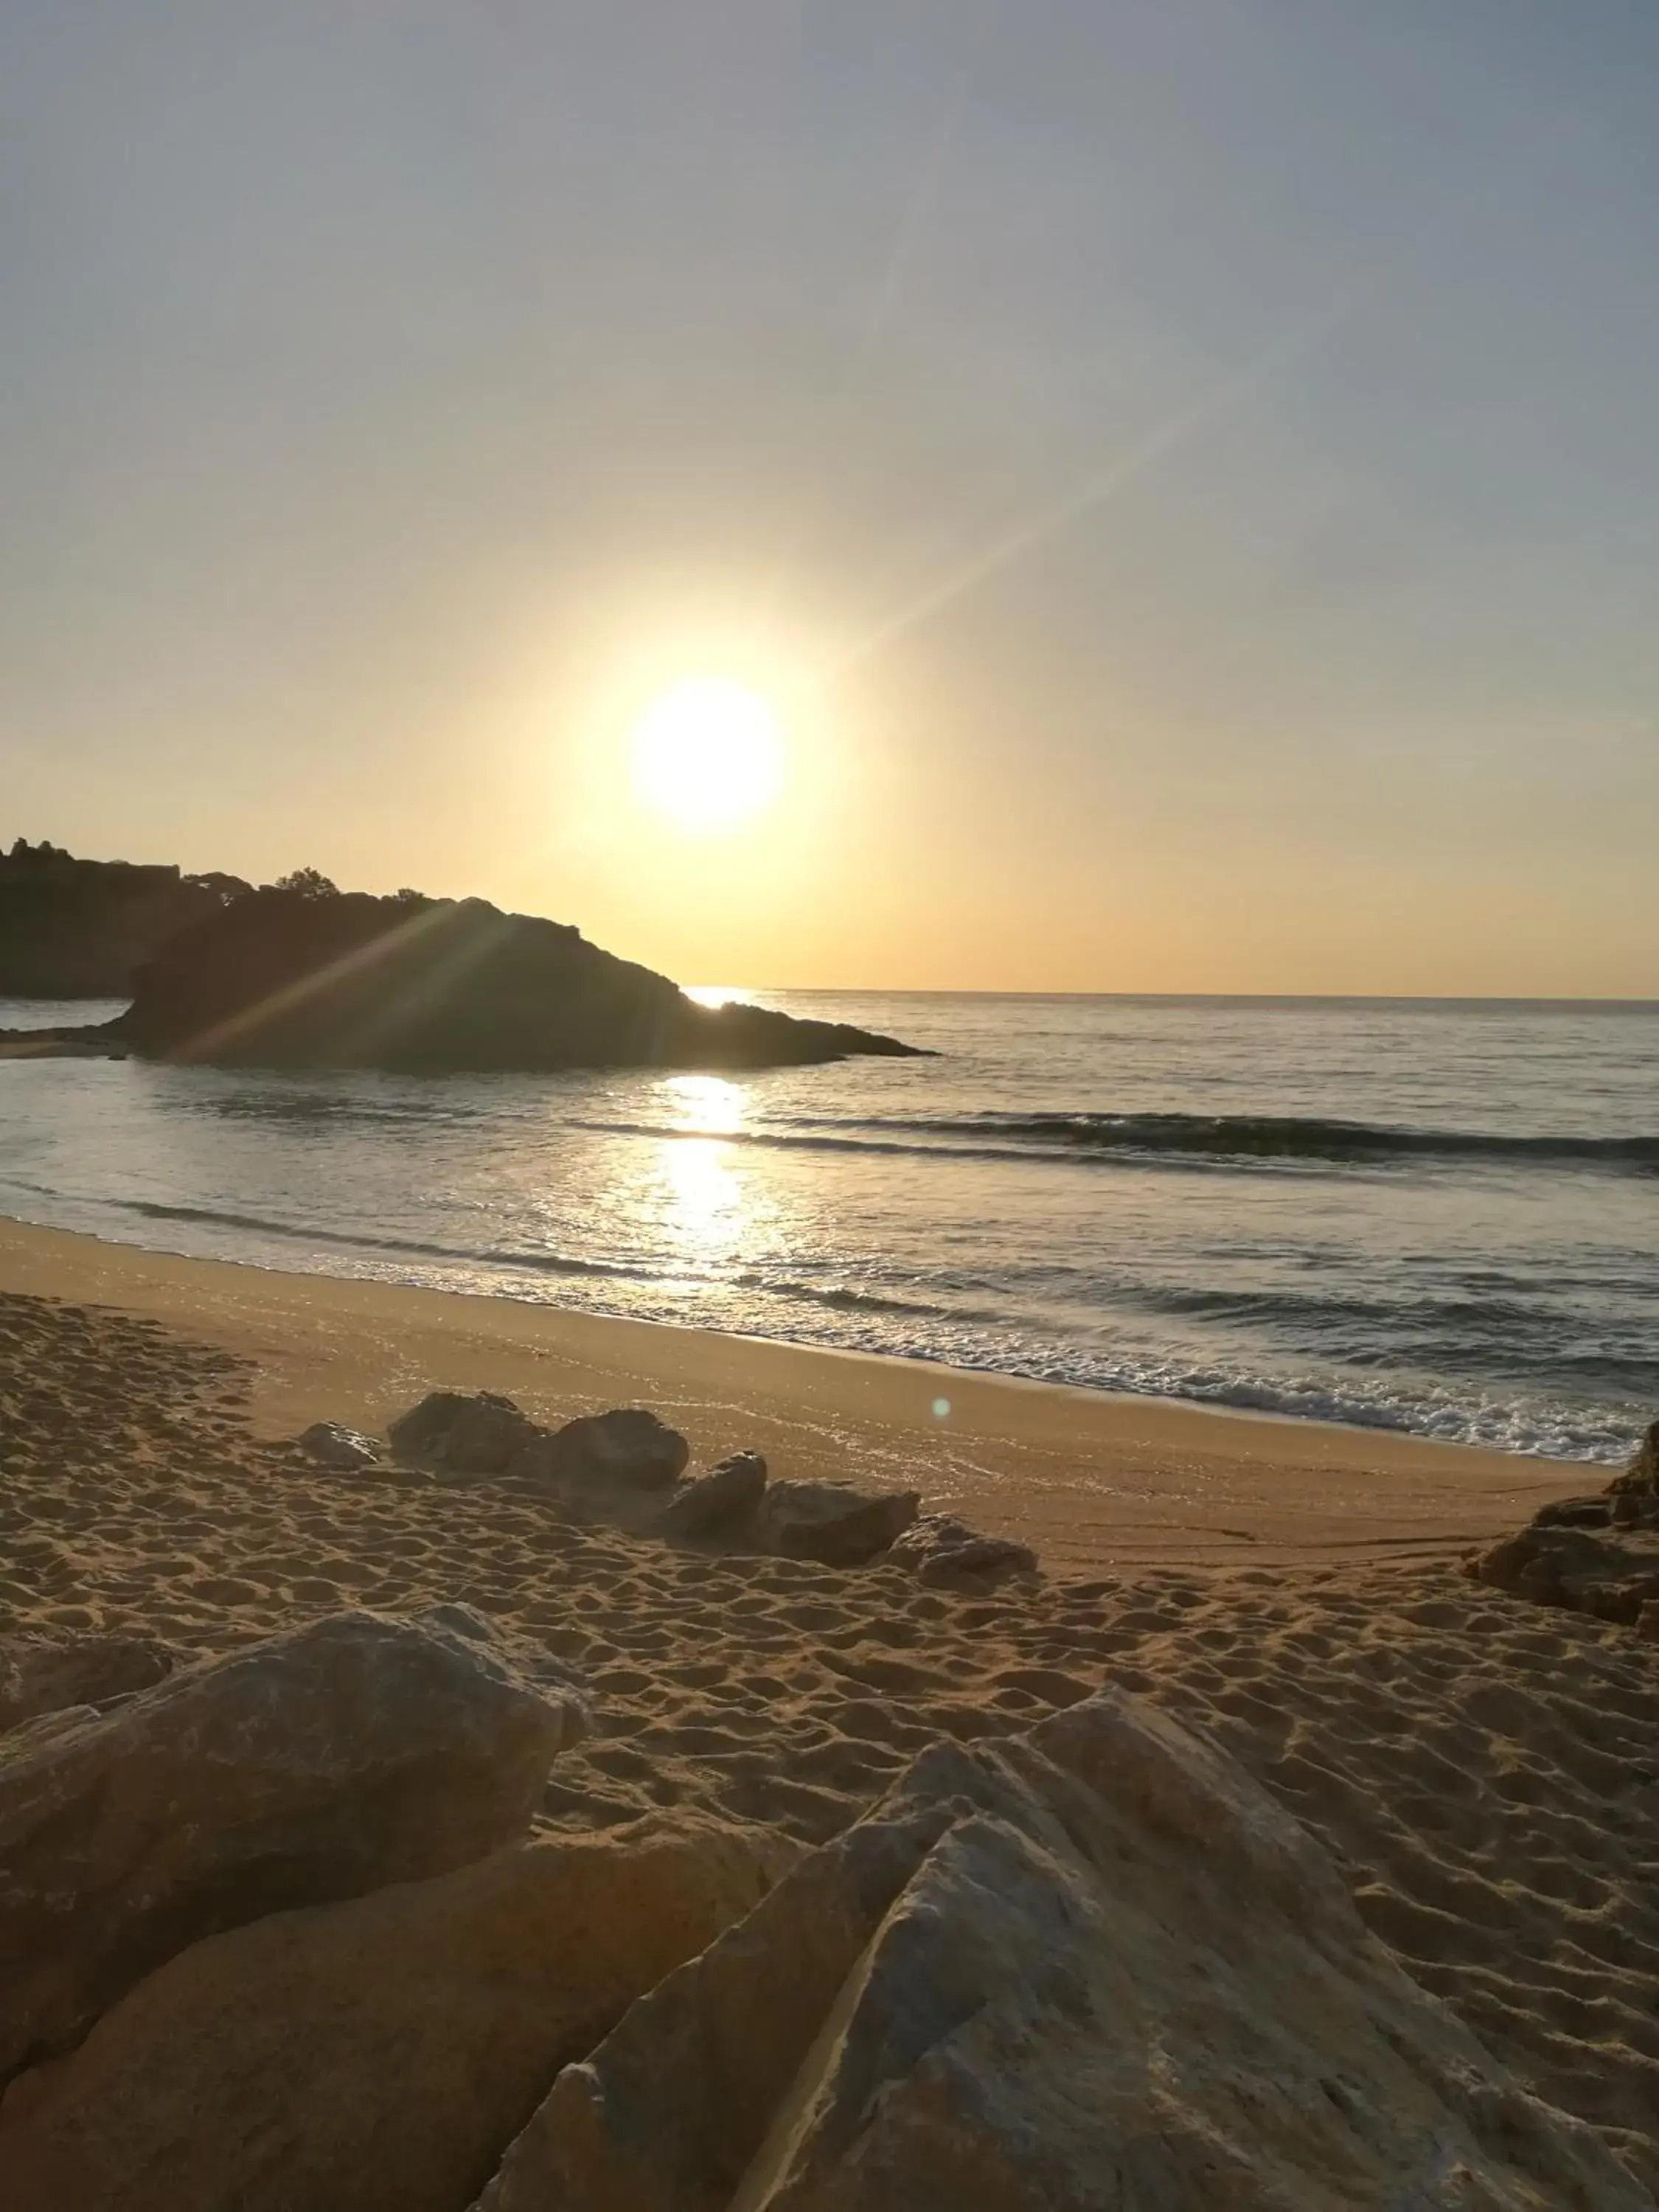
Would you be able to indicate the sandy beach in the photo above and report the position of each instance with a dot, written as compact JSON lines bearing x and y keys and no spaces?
{"x":1483,"y":1769}
{"x":1091,"y":1480}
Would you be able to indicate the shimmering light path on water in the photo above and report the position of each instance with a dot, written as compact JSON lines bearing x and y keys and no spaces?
{"x":1429,"y":1216}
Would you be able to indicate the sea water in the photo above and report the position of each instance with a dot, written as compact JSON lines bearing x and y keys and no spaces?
{"x":1428,"y":1215}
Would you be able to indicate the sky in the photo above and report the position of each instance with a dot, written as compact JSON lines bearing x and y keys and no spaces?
{"x":1183,"y":472}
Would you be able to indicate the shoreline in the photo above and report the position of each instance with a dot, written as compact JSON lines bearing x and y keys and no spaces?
{"x":1094,"y":1480}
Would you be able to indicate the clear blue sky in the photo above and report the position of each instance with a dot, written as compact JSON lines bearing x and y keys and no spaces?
{"x":1186,"y":471}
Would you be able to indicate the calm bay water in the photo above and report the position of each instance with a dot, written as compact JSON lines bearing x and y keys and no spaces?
{"x":1428,"y":1215}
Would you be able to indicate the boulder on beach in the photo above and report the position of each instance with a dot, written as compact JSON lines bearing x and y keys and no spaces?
{"x":630,"y":1446}
{"x":376,"y":2055}
{"x":486,"y":1436}
{"x":1597,"y":1554}
{"x":945,"y":1553}
{"x":331,"y":1445}
{"x":1607,"y":1571}
{"x":462,"y":1433}
{"x":623,"y":1468}
{"x":418,"y":1433}
{"x":718,"y":1504}
{"x":832,"y":1523}
{"x":344,"y":1755}
{"x":465,"y":1434}
{"x":1094,"y":1966}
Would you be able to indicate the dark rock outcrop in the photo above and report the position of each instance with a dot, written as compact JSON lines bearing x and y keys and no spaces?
{"x":717,"y":1503}
{"x":945,"y":1553}
{"x":1093,"y":1966}
{"x":419,"y":1434}
{"x":1597,"y":1555}
{"x":466,"y":1435}
{"x":628,"y":1448}
{"x":353,"y":1752}
{"x":486,"y":1436}
{"x":1640,"y":1481}
{"x":305,"y":976}
{"x":832,"y":1523}
{"x":622,"y":1468}
{"x":1609,"y":1571}
{"x":81,"y":929}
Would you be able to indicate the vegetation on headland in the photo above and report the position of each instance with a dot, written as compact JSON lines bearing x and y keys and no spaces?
{"x":71,"y":928}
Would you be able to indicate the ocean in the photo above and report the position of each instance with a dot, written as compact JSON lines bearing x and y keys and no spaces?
{"x":1420,"y":1215}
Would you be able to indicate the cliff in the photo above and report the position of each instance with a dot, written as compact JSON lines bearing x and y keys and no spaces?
{"x":80,"y":929}
{"x":302,"y":975}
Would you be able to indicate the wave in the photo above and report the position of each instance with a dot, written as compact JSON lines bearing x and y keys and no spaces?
{"x":1602,"y":1433}
{"x":784,"y":1140}
{"x":1286,"y":1136}
{"x":1500,"y":1342}
{"x":839,"y":1297}
{"x":1220,"y":1137}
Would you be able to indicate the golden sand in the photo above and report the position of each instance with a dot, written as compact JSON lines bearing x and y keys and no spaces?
{"x":1090,"y":1480}
{"x":1487,"y":1772}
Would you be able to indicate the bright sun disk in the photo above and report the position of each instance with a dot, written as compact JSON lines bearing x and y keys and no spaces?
{"x":709,"y":755}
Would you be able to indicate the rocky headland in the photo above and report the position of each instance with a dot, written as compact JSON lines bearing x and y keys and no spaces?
{"x":71,"y":928}
{"x":299,"y":975}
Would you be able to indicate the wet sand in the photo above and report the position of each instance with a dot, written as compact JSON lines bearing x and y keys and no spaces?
{"x":1090,"y":1480}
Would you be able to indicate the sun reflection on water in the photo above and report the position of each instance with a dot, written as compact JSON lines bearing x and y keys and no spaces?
{"x":706,"y":1104}
{"x":708,"y":1210}
{"x":707,"y":1202}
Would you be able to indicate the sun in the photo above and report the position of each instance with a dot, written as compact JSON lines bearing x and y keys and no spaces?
{"x":709,"y":755}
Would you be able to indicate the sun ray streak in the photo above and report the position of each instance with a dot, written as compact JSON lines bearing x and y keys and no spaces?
{"x":1223,"y":398}
{"x":212,"y":1040}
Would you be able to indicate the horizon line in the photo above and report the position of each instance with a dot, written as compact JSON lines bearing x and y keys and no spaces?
{"x":1611,"y":1000}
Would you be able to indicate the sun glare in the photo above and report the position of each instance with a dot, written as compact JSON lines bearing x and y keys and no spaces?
{"x":709,"y":755}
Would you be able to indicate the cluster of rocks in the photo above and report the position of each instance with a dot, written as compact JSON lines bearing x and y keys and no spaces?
{"x":1596,"y":1554}
{"x":626,"y":1469}
{"x":277,"y":1935}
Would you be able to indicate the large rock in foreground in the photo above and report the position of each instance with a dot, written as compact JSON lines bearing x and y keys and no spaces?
{"x":1096,"y":1969}
{"x":376,"y":2055}
{"x":313,"y":977}
{"x":349,"y":1754}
